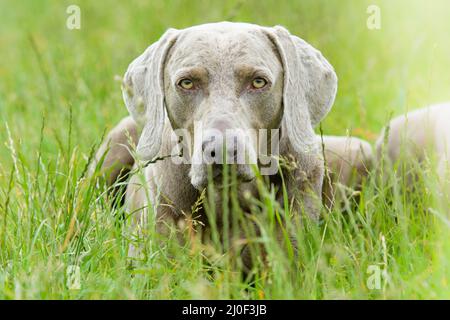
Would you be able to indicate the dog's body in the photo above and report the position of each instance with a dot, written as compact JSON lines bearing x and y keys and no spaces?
{"x":349,"y":161}
{"x":223,"y":76}
{"x":418,"y":134}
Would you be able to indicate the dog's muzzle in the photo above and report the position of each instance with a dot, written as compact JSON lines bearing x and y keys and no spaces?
{"x":219,"y":148}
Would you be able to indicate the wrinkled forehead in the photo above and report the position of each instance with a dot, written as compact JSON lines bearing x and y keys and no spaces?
{"x":221,"y":48}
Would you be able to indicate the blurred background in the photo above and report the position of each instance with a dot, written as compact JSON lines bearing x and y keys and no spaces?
{"x":59,"y":93}
{"x":46,"y":69}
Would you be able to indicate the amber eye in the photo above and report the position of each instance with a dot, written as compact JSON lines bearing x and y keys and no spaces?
{"x":186,"y":84}
{"x":259,"y":83}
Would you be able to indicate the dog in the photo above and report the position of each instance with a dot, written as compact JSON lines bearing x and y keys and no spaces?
{"x":220,"y":77}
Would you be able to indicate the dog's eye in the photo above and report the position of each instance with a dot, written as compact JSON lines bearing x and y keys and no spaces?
{"x":186,"y":84}
{"x":259,"y":83}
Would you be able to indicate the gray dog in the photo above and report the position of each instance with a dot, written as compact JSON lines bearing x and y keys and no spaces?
{"x":222,"y":76}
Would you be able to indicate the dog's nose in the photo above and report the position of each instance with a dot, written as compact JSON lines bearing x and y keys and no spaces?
{"x":208,"y":149}
{"x":219,"y":153}
{"x":216,"y":155}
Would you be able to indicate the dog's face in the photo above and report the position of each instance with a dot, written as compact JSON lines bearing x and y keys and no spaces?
{"x":218,"y":78}
{"x":229,"y":84}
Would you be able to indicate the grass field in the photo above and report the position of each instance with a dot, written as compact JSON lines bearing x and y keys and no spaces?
{"x":58,"y":94}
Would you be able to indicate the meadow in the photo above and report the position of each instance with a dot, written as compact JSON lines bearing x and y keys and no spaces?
{"x":59,"y":94}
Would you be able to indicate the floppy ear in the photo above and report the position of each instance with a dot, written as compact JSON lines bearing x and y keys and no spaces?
{"x":143,"y":93}
{"x":310,"y":85}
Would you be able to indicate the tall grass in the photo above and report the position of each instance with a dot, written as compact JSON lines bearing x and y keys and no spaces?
{"x":57,"y":95}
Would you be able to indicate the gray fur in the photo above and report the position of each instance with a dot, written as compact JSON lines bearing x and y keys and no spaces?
{"x":417,"y":134}
{"x":349,"y":161}
{"x":223,"y":57}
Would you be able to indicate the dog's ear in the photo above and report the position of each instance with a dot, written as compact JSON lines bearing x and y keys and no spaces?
{"x":143,"y":93}
{"x":310,"y":85}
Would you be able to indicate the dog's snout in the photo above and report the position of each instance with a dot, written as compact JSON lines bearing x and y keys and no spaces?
{"x":220,"y":144}
{"x":208,"y":148}
{"x":223,"y":145}
{"x":220,"y":153}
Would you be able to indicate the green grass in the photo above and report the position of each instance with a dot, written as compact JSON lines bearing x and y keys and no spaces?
{"x":58,"y":95}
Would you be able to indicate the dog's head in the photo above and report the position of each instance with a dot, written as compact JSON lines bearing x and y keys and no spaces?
{"x":223,"y":83}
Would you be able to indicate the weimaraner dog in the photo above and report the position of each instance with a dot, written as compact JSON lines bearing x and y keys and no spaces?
{"x":220,"y":76}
